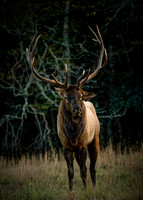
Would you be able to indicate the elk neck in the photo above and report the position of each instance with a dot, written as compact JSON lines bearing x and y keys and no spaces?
{"x":73,"y":127}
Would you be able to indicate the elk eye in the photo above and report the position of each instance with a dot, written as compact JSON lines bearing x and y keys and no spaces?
{"x":65,"y":97}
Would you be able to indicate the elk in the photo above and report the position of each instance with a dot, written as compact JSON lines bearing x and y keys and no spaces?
{"x":77,"y":123}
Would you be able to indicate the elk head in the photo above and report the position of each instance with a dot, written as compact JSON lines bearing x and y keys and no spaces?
{"x":73,"y":95}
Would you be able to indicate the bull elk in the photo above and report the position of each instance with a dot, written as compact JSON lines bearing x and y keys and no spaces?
{"x":77,"y":122}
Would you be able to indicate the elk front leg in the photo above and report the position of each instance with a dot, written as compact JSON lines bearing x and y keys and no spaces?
{"x":81,"y":157}
{"x":69,"y":159}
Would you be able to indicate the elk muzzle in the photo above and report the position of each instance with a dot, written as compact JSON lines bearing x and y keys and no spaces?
{"x":76,"y":111}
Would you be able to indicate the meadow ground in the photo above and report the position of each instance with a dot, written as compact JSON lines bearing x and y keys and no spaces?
{"x":119,"y":177}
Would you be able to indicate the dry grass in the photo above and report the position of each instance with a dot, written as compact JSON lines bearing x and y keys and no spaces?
{"x":119,"y":176}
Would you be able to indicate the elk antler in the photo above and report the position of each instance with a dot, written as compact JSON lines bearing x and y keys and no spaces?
{"x":30,"y":60}
{"x":89,"y":76}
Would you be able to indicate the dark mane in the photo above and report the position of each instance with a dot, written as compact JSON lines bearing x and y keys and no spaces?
{"x":73,"y":127}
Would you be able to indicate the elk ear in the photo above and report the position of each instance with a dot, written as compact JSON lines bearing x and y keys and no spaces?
{"x":88,"y":96}
{"x":60,"y":91}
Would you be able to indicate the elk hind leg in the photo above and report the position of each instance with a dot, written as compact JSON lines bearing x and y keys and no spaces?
{"x":93,"y":149}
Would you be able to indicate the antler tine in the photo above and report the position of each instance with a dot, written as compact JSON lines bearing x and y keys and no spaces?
{"x":79,"y":82}
{"x":35,"y":44}
{"x":67,"y":77}
{"x":56,"y":81}
{"x":29,"y":53}
{"x":106,"y":58}
{"x":32,"y":41}
{"x":97,"y":39}
{"x":102,"y":51}
{"x":30,"y":59}
{"x":100,"y":41}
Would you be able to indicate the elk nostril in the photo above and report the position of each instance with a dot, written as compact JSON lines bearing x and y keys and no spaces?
{"x":76,"y":109}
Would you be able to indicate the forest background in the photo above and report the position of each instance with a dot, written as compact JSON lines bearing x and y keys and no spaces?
{"x":28,"y":107}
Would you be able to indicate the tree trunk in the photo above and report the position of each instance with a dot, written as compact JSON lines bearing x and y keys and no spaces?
{"x":65,"y":31}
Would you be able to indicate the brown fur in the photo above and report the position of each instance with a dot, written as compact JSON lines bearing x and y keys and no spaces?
{"x":78,"y":134}
{"x":90,"y":131}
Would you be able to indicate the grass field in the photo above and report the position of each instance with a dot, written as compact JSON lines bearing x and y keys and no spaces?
{"x":119,"y":177}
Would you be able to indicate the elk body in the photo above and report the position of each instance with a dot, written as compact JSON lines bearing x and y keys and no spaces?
{"x":77,"y":122}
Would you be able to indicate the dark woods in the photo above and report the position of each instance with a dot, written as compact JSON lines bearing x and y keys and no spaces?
{"x":28,"y":107}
